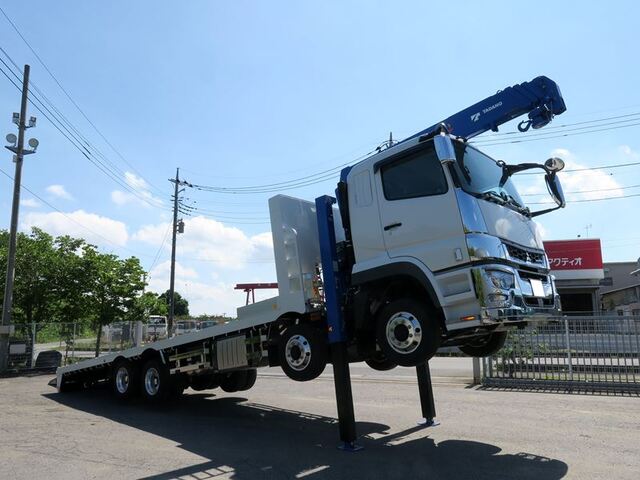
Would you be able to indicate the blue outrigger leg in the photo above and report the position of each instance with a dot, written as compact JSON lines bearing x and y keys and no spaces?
{"x":334,"y":287}
{"x":334,"y":282}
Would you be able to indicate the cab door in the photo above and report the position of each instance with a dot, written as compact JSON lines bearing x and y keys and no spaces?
{"x":418,"y":209}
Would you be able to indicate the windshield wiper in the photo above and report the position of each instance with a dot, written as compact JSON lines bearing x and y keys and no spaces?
{"x":514,"y":203}
{"x":503,"y":199}
{"x":493,"y":196}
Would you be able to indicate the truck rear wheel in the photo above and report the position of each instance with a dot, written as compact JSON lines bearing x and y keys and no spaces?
{"x":485,"y":346}
{"x":124,"y":379}
{"x":204,"y":382}
{"x":239,"y":381}
{"x":380,"y":363}
{"x":408,"y":332}
{"x":249,"y":380}
{"x":155,"y":382}
{"x":303,"y":352}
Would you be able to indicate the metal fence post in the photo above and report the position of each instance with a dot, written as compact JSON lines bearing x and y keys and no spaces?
{"x":568,"y":346}
{"x":33,"y":345}
{"x":73,"y":344}
{"x":476,"y":371}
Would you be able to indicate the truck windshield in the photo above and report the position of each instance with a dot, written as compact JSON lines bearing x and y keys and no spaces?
{"x":480,"y":175}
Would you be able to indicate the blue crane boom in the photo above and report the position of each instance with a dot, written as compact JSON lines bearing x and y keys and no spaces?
{"x":540,"y":99}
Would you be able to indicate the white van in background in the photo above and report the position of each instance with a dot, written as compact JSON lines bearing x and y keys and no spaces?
{"x":157,"y":326}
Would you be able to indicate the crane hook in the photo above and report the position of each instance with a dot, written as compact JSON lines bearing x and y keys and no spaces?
{"x":524,"y":125}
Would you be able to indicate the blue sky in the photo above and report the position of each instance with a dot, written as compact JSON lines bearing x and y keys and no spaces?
{"x":247,"y":93}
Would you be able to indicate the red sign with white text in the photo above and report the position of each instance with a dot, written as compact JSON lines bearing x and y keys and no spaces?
{"x":576,"y":258}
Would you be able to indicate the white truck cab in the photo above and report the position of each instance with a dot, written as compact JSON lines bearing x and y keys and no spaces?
{"x":438,"y":218}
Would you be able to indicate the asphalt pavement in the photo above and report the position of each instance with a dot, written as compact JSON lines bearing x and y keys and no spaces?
{"x":284,"y":429}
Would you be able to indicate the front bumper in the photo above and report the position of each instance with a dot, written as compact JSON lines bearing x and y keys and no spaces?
{"x":520,"y":301}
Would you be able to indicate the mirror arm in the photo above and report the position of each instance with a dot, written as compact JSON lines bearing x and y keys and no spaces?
{"x":541,"y":212}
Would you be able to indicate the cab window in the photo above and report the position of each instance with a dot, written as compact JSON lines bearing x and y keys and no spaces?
{"x":417,"y":175}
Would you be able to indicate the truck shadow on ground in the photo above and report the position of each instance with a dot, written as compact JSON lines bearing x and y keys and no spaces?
{"x":245,"y":440}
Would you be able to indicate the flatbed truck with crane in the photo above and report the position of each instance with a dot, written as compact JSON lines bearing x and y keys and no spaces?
{"x":429,"y":245}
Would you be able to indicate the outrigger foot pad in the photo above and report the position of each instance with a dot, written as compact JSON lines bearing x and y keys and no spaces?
{"x":350,"y":447}
{"x":428,"y":422}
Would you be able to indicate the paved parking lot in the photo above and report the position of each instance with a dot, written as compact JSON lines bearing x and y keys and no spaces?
{"x":283,"y":429}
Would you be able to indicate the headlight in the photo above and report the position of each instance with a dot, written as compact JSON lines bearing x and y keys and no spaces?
{"x":500,"y":279}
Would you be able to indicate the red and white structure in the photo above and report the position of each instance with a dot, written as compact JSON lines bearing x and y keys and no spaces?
{"x":575,"y":259}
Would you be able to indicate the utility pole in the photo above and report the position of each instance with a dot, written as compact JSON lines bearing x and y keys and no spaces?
{"x":178,"y":227}
{"x":19,"y":151}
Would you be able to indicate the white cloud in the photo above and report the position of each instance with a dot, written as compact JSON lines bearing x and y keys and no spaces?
{"x":164,"y":269}
{"x":30,"y":203}
{"x":627,"y":151}
{"x":59,"y":191}
{"x":98,"y":228}
{"x":211,"y":241}
{"x":587,"y":181}
{"x":143,"y":195}
{"x":211,"y":298}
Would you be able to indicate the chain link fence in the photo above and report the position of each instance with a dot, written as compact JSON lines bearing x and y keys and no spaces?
{"x":592,"y":353}
{"x":49,"y":345}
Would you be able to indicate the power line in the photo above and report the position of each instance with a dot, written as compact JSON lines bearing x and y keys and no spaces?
{"x":68,"y":95}
{"x":23,"y":186}
{"x":602,"y":167}
{"x":76,"y":142}
{"x":53,"y":207}
{"x":588,"y":199}
{"x":583,"y":191}
{"x":562,"y":126}
{"x":164,"y":240}
{"x":540,"y":137}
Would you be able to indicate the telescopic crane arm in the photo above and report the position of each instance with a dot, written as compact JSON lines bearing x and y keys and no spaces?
{"x":540,"y":99}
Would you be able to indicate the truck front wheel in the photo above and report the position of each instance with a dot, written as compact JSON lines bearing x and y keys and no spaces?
{"x":303,"y":352}
{"x":485,"y":346}
{"x":408,"y":332}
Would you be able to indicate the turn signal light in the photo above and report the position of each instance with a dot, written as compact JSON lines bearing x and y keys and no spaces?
{"x":468,"y":318}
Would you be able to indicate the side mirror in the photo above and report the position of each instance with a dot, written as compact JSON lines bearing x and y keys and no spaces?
{"x":555,"y":188}
{"x":554,"y":164}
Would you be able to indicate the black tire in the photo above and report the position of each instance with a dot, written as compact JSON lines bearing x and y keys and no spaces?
{"x":124,"y":379}
{"x":249,"y":380}
{"x":408,"y":332}
{"x":204,"y":382}
{"x":234,"y":381}
{"x":484,"y":346}
{"x":380,"y":363}
{"x":155,"y":384}
{"x":302,"y":352}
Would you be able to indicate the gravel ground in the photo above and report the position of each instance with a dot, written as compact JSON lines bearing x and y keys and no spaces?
{"x":284,"y":429}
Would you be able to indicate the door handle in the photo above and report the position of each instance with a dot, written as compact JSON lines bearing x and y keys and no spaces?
{"x":392,"y":225}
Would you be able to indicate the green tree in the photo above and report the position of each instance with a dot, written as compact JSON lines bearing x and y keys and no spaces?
{"x":113,"y":287}
{"x":149,"y":303}
{"x":181,"y":307}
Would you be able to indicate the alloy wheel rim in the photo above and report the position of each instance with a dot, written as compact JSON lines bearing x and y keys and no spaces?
{"x":122,"y":380}
{"x":403,"y":332}
{"x":152,"y":381}
{"x":298,"y":352}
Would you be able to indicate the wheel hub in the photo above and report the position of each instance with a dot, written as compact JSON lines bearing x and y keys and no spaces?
{"x":122,"y":380}
{"x":404,"y":332}
{"x":152,"y":381}
{"x":298,"y":352}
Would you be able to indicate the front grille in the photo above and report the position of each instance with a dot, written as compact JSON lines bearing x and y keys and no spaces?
{"x":527,"y":256}
{"x":539,"y":302}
